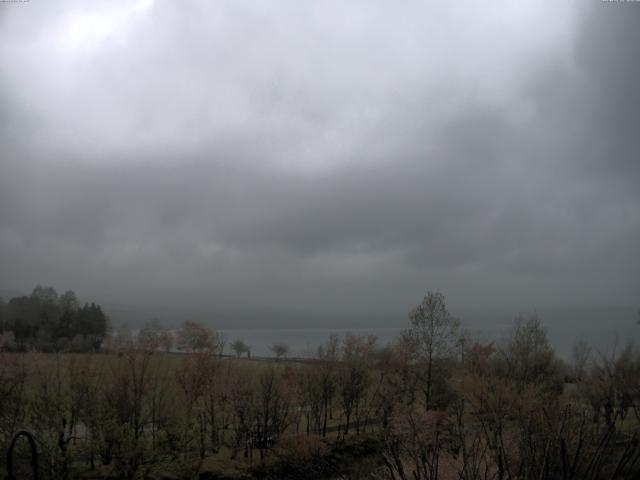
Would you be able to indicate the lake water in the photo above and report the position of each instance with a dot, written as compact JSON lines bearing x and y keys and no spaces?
{"x":602,"y":329}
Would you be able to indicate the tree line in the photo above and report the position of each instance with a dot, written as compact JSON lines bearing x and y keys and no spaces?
{"x":47,"y":322}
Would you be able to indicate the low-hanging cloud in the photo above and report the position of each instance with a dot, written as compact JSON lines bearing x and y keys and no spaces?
{"x":231,"y":161}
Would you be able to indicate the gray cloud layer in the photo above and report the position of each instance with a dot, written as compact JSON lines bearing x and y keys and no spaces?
{"x":321,"y":161}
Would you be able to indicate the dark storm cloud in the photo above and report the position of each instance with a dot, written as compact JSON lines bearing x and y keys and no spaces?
{"x":606,"y":55}
{"x":246,"y":162}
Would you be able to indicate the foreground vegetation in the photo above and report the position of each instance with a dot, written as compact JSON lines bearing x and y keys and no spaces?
{"x":435,"y":405}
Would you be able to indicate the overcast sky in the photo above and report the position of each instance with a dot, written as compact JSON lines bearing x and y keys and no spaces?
{"x":247,"y":162}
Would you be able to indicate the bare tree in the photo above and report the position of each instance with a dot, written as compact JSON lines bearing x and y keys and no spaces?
{"x":272,"y":409}
{"x":414,"y":447}
{"x":241,"y":396}
{"x":354,"y":377}
{"x":153,"y":336}
{"x":528,"y":355}
{"x":194,"y":337}
{"x":581,"y":357}
{"x":434,"y":333}
{"x":280,"y":350}
{"x":54,"y":414}
{"x":239,"y":347}
{"x":13,"y":376}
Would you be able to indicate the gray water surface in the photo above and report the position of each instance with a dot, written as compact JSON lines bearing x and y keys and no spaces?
{"x":603,"y":329}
